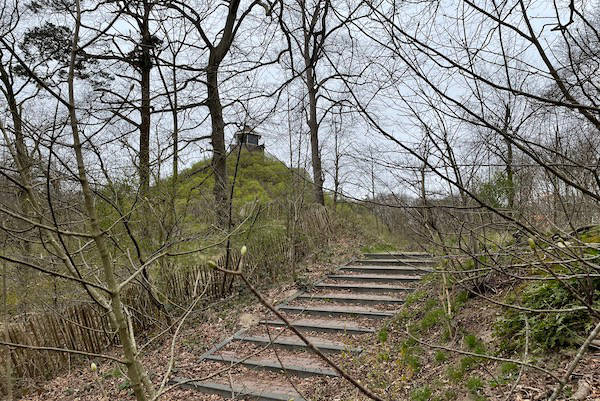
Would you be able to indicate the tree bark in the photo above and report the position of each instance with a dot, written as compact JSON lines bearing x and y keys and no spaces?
{"x":336,"y":175}
{"x":175,"y":166}
{"x":8,"y":382}
{"x":24,"y":166}
{"x":145,"y":66}
{"x":219,"y":159}
{"x":313,"y":125}
{"x":509,"y":162}
{"x":135,"y":372}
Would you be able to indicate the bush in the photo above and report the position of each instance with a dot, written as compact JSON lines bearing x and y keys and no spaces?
{"x":547,"y":330}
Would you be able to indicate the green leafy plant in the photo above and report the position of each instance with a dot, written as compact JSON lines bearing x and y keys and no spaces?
{"x":548,"y":330}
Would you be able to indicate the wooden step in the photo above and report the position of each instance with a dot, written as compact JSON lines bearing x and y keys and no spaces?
{"x":302,"y":367}
{"x":337,"y":311}
{"x":397,"y":255}
{"x":229,"y":392}
{"x":296,"y":343}
{"x":385,"y":269}
{"x":373,"y":277}
{"x":360,"y":299}
{"x":363,"y":287}
{"x":395,"y":262}
{"x":323,"y":326}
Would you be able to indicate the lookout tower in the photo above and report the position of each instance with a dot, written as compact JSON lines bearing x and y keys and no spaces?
{"x":249,"y":139}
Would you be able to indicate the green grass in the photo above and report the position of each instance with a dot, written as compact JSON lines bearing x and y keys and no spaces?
{"x":432,"y":318}
{"x":421,"y":394}
{"x":474,"y":384}
{"x":509,"y":368}
{"x":441,"y":356}
{"x":460,"y":300}
{"x":409,"y":353}
{"x":382,"y":335}
{"x":414,"y":297}
{"x":380,"y":247}
{"x":457,"y":372}
{"x":474,"y":344}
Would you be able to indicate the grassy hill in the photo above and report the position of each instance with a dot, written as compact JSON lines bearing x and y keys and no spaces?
{"x":259,"y":177}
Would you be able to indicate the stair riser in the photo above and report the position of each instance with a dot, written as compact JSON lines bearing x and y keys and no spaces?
{"x":333,"y":314}
{"x":352,"y":301}
{"x":368,"y":290}
{"x":386,"y":262}
{"x":226,"y":393}
{"x":374,"y":279}
{"x":384,"y":270}
{"x":321,"y":329}
{"x":300,"y":347}
{"x":396,"y":256}
{"x":295,"y":372}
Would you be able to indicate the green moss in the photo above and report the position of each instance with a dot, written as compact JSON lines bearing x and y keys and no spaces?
{"x":547,"y":330}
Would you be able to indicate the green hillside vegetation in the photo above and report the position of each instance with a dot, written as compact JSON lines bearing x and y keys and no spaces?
{"x":272,"y":209}
{"x":259,"y":177}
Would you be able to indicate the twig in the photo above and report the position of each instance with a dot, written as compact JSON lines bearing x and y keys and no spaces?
{"x":309,"y":344}
{"x":65,"y":350}
{"x":573,"y":364}
{"x":173,"y":341}
{"x":526,"y":351}
{"x":484,"y":356}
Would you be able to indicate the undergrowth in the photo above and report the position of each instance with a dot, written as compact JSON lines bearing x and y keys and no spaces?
{"x":547,"y":331}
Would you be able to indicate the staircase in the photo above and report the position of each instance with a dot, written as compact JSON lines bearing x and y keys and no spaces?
{"x":269,"y":363}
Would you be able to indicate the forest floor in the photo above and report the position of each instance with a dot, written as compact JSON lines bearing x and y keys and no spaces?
{"x":202,"y":330}
{"x":404,"y":364}
{"x":418,"y":355}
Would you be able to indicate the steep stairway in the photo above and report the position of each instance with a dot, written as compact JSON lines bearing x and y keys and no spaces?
{"x":335,"y":313}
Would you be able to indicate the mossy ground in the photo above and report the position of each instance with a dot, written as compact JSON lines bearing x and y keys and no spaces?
{"x":424,"y":354}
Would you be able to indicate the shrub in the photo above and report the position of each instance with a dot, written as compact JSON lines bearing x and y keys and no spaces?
{"x":547,"y":330}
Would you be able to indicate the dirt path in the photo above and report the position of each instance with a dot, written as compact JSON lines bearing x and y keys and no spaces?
{"x":265,"y":361}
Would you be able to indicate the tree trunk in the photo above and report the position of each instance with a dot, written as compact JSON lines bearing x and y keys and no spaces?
{"x":219,"y":159}
{"x":336,"y":175}
{"x":314,"y":137}
{"x":175,"y":172}
{"x":145,"y":65}
{"x":24,"y":165}
{"x":510,"y":176}
{"x":510,"y":193}
{"x":8,"y":380}
{"x":140,"y":383}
